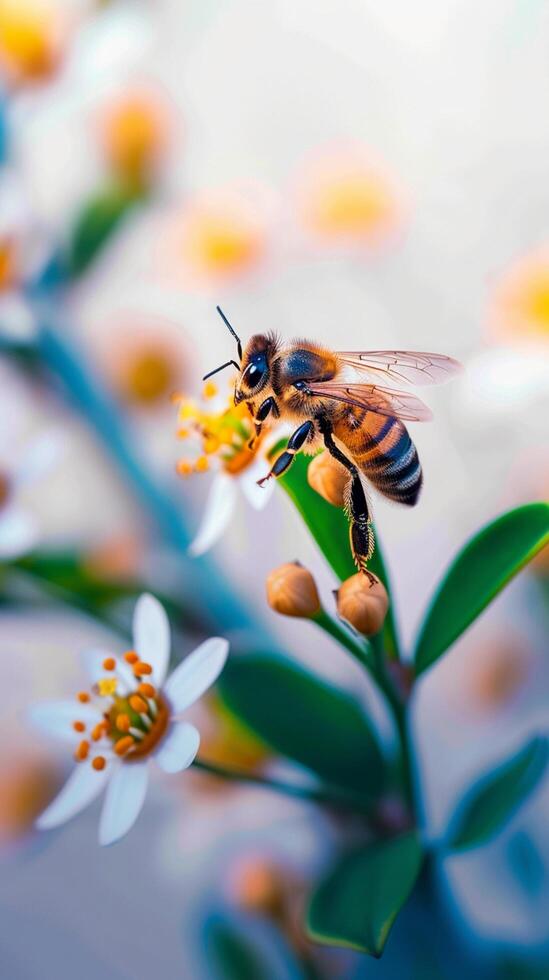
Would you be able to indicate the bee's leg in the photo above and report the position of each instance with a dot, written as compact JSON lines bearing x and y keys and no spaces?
{"x":356,"y":505}
{"x":296,"y":442}
{"x":264,"y":410}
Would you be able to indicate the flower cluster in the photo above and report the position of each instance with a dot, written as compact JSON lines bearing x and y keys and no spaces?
{"x":224,"y":435}
{"x":130,"y":715}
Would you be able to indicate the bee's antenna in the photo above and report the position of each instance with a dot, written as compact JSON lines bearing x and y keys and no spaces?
{"x":221,"y":368}
{"x":235,"y":335}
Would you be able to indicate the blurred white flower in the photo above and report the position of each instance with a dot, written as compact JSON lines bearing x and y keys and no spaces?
{"x":18,"y":529}
{"x":22,"y":253}
{"x":131,"y":717}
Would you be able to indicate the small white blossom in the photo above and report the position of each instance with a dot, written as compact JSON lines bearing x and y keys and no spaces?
{"x":132,"y":716}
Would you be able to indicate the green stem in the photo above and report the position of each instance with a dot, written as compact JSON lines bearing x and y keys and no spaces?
{"x":371,"y":656}
{"x":339,"y":633}
{"x":330,"y":797}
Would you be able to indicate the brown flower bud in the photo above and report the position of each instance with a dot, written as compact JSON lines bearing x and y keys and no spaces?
{"x":363,"y":605}
{"x":291,"y":591}
{"x":328,"y":477}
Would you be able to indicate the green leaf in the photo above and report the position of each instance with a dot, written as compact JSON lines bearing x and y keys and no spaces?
{"x":478,"y":574}
{"x":230,"y":954}
{"x":493,"y":800}
{"x":304,"y":719}
{"x":330,"y":529}
{"x":97,"y":221}
{"x":356,"y":905}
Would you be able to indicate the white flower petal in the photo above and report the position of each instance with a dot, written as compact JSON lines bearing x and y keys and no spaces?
{"x":18,"y":532}
{"x":151,"y":636}
{"x":179,"y":747}
{"x":82,"y":786}
{"x":123,"y":801}
{"x":257,"y":497}
{"x":56,"y":718}
{"x":218,"y":511}
{"x":93,"y":664}
{"x":39,"y":458}
{"x":196,"y":673}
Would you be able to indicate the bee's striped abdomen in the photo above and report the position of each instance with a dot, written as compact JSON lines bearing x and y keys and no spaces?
{"x":388,"y":458}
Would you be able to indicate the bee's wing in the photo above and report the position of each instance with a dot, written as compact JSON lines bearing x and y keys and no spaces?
{"x":412,"y":367}
{"x":374,"y":398}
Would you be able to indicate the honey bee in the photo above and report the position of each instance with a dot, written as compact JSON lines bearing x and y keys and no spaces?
{"x":360,"y":423}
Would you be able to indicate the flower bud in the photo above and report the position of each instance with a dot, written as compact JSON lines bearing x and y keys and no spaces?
{"x":328,"y":478}
{"x":291,"y":591}
{"x":363,"y":605}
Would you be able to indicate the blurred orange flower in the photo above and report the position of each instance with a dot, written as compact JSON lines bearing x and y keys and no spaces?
{"x":519,"y":307}
{"x":32,"y":36}
{"x":222,"y":236}
{"x":27,"y":782}
{"x":344,"y":196}
{"x":9,"y":263}
{"x":134,"y":131}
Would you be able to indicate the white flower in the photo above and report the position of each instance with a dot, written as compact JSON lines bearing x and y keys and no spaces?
{"x":131,"y":717}
{"x":222,"y":500}
{"x":23,"y":251}
{"x":224,"y":432}
{"x":18,"y":529}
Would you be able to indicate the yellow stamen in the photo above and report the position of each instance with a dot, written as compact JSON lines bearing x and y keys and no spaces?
{"x":182,"y":433}
{"x":184,"y":468}
{"x":123,"y":722}
{"x":82,"y":751}
{"x":209,"y":390}
{"x":138,"y":704}
{"x":123,"y":745}
{"x":99,"y":731}
{"x":131,"y":657}
{"x":147,"y":690}
{"x":211,"y":445}
{"x":202,"y":465}
{"x":107,"y":686}
{"x":141,"y":668}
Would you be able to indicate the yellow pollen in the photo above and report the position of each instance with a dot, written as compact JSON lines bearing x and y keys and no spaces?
{"x":184,"y":467}
{"x":138,"y":704}
{"x":79,"y":726}
{"x":141,"y":668}
{"x":147,"y":690}
{"x":123,"y":722}
{"x":187,"y":411}
{"x":123,"y":745}
{"x":211,"y":444}
{"x":209,"y":390}
{"x":99,"y":763}
{"x":107,"y":686}
{"x":109,"y":663}
{"x":83,"y":697}
{"x":201,"y":465}
{"x":182,"y":433}
{"x":82,"y":751}
{"x":131,"y":657}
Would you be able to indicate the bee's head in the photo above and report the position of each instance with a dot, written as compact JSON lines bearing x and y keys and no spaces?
{"x":254,"y":372}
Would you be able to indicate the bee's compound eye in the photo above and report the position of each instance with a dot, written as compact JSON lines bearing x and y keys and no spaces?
{"x":253,"y":375}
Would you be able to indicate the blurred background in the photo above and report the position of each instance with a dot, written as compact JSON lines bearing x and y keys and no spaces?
{"x":370,"y":176}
